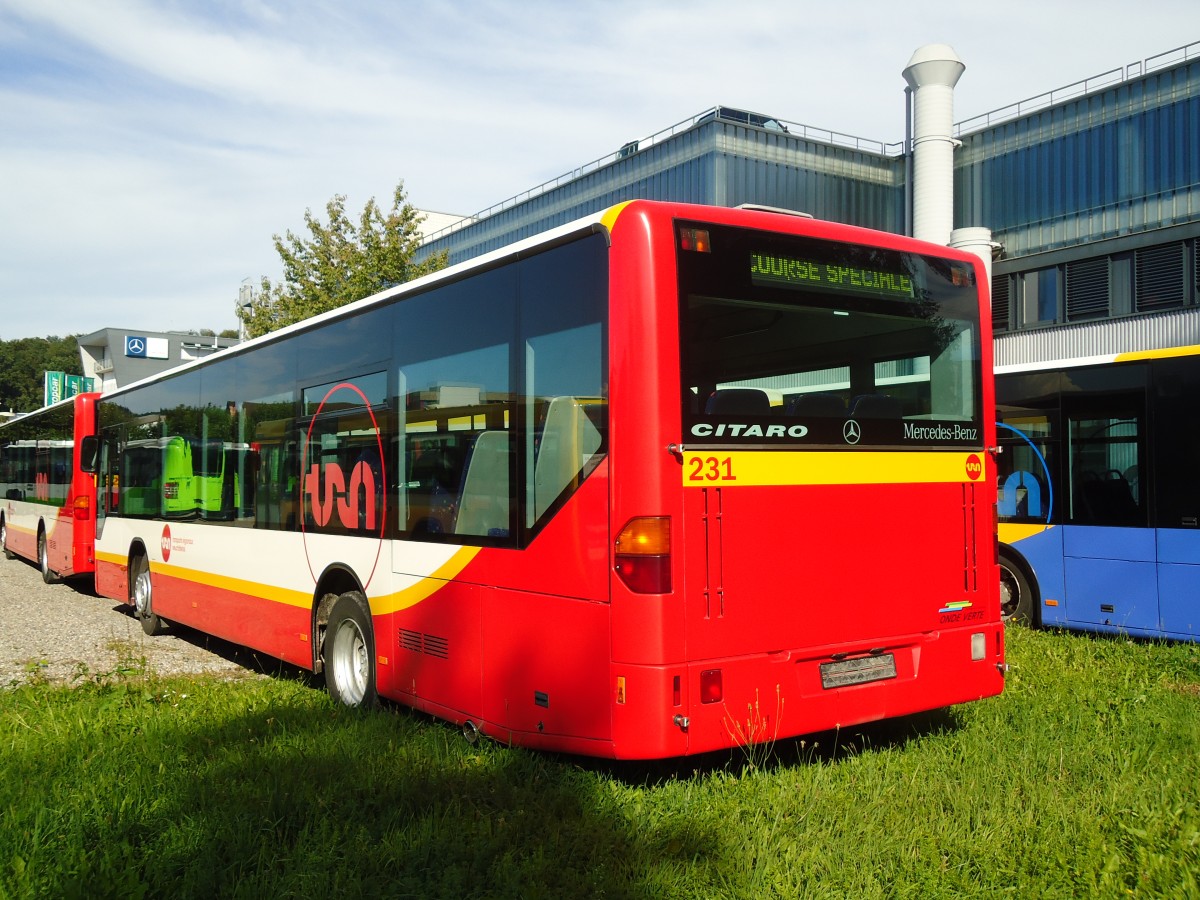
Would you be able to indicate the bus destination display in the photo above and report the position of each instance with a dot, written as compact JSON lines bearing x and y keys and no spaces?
{"x":781,"y":271}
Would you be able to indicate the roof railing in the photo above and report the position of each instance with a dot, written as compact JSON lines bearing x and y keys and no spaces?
{"x":807,"y":132}
{"x":1080,"y":88}
{"x":724,"y":113}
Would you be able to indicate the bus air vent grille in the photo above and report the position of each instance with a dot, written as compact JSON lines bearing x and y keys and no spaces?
{"x":410,"y":640}
{"x":428,"y":644}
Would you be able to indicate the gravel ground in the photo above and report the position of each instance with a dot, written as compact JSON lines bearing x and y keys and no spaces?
{"x":54,"y":631}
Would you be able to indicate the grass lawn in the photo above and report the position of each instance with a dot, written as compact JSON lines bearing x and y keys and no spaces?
{"x":1080,"y":780}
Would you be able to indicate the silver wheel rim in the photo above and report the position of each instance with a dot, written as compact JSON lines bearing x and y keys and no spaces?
{"x":141,"y":593}
{"x":1010,"y":594}
{"x":351,"y":668}
{"x":43,"y":554}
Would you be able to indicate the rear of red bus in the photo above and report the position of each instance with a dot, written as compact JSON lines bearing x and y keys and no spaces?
{"x":49,"y":512}
{"x":803,"y":501}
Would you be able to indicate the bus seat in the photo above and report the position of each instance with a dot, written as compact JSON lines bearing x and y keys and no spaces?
{"x":815,"y":404}
{"x":876,"y":406}
{"x":568,"y":440}
{"x":431,"y":490}
{"x":483,"y":507}
{"x":739,"y":402}
{"x":1106,"y":500}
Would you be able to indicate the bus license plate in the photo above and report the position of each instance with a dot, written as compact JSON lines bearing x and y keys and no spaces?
{"x":859,"y":670}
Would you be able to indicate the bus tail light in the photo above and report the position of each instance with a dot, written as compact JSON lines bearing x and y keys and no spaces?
{"x":695,"y":239}
{"x":711,"y":688}
{"x":83,"y":507}
{"x":643,"y":555}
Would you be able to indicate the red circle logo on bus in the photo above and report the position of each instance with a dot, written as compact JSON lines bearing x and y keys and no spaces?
{"x":974,"y":467}
{"x":166,"y":543}
{"x":347,"y":494}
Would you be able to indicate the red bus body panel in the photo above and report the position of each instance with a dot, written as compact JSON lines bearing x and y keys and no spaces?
{"x":546,"y":645}
{"x":70,"y":528}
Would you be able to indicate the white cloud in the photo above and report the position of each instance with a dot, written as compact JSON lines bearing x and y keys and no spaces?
{"x":150,"y":150}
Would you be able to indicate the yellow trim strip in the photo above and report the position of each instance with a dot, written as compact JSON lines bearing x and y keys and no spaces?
{"x":609,"y":218}
{"x":1169,"y":352}
{"x":413,"y":595}
{"x":381,"y":605}
{"x":721,"y":468}
{"x":1011,"y":533}
{"x":236,"y":585}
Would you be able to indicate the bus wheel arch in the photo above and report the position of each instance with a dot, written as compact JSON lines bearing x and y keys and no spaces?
{"x":141,"y":590}
{"x":8,"y":554}
{"x":43,"y":556}
{"x":1019,"y":598}
{"x":334,"y":581}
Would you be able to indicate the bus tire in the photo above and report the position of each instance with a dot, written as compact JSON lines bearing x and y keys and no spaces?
{"x":48,"y":575}
{"x":349,"y":652}
{"x":1016,"y":594}
{"x":141,"y":595}
{"x":8,"y":554}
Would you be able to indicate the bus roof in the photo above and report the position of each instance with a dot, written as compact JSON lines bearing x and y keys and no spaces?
{"x":599,"y":222}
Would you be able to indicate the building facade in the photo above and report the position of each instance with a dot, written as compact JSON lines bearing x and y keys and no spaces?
{"x":115,"y":357}
{"x":1092,"y":192}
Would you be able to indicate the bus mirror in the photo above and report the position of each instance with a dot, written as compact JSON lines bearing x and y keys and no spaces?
{"x":87,"y":453}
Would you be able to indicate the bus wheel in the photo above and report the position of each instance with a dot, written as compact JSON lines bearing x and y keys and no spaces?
{"x":8,"y":554}
{"x":48,"y":575}
{"x":1016,"y":597}
{"x":349,"y":651}
{"x":141,"y":594}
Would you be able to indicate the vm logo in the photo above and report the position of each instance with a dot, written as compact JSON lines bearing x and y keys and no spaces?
{"x":335,"y":495}
{"x":974,"y":467}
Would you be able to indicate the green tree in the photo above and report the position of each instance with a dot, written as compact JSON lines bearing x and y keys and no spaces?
{"x":340,"y":262}
{"x":23,"y":364}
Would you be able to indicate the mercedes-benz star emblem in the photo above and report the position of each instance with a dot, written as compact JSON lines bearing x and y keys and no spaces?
{"x":135,"y":345}
{"x":851,"y":432}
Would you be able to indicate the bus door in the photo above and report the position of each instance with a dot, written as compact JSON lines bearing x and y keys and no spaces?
{"x":1110,"y":553}
{"x":1176,"y":448}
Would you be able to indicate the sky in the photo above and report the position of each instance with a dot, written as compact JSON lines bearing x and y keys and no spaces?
{"x":150,"y":151}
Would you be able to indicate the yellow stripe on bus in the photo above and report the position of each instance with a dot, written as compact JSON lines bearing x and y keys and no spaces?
{"x":380,"y":604}
{"x":411,"y":596}
{"x":766,"y":468}
{"x":609,"y":219}
{"x":1166,"y":353}
{"x":1010,"y":533}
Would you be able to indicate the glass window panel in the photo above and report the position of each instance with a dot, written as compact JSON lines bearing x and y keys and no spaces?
{"x":563,"y":303}
{"x":455,"y":386}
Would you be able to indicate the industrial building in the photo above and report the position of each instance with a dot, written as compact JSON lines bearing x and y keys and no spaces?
{"x":1091,"y":193}
{"x":114,"y":357}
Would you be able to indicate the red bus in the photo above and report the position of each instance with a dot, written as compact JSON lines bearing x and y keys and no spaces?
{"x":49,"y":501}
{"x":666,"y":480}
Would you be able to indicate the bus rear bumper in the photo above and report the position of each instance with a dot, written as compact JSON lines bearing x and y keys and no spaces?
{"x":729,"y":702}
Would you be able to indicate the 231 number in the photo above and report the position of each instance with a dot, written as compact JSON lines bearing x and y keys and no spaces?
{"x":712,"y":468}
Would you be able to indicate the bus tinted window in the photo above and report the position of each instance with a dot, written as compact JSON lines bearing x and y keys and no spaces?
{"x":566,"y":374}
{"x":786,"y":340}
{"x":1177,"y":385}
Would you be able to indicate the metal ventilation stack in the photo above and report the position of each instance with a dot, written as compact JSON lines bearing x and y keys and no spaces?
{"x":932,"y":73}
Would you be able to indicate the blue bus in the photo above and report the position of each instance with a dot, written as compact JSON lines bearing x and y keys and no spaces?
{"x":1099,"y":493}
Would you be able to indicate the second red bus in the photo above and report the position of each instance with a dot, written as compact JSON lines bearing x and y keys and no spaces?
{"x":49,"y":501}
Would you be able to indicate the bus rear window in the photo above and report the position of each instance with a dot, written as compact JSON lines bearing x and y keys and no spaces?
{"x":805,"y":342}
